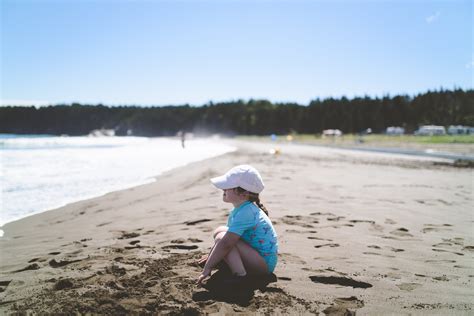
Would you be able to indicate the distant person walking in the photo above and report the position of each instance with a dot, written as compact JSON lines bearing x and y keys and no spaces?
{"x":248,"y":244}
{"x":183,"y":138}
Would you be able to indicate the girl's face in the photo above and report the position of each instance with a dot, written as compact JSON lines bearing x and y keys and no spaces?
{"x":232,"y":196}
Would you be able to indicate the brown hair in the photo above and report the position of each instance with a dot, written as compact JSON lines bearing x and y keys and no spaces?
{"x":253,"y":197}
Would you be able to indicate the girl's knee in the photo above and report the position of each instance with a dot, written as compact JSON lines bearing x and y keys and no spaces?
{"x":219,"y":236}
{"x":218,"y":230}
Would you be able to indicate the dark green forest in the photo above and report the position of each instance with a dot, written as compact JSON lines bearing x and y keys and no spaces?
{"x":253,"y":117}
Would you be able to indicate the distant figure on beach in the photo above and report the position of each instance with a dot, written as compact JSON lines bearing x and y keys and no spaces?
{"x":182,"y":135}
{"x":248,"y":244}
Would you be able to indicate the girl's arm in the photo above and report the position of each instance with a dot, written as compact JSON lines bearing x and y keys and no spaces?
{"x":219,"y":251}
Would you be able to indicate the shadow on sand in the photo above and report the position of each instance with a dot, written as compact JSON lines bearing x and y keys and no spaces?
{"x":218,"y":291}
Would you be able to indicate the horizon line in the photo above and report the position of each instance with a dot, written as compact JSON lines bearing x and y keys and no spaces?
{"x":43,"y":103}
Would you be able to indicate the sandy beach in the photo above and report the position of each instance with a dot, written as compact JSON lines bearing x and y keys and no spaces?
{"x":358,"y":232}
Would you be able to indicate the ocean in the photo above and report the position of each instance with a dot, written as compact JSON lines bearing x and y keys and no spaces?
{"x":41,"y":172}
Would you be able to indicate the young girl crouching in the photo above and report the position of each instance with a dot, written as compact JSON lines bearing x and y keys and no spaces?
{"x":248,"y":244}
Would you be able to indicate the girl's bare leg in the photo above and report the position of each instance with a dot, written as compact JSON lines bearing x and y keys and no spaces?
{"x":220,"y":229}
{"x":243,"y":259}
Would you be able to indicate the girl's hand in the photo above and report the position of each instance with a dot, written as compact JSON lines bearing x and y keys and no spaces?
{"x":204,"y":275}
{"x":202,"y":261}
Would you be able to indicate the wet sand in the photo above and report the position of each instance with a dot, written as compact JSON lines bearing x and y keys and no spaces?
{"x":358,"y":232}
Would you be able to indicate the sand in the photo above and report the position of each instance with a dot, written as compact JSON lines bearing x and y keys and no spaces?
{"x":358,"y":232}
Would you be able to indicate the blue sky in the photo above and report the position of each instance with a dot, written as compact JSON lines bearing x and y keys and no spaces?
{"x":177,"y":52}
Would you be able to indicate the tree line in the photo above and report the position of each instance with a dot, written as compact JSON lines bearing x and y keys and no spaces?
{"x":252,"y":117}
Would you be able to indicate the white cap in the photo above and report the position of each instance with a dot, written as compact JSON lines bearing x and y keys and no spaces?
{"x":244,"y":176}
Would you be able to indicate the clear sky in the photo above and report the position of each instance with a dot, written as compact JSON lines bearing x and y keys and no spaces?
{"x":176,"y":52}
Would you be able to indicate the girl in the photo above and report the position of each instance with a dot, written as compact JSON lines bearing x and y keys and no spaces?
{"x":248,"y":244}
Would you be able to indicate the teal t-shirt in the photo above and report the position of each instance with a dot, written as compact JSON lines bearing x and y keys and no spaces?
{"x":254,"y":227}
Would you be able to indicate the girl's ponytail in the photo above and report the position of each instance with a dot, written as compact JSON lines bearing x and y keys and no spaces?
{"x":253,"y":197}
{"x":259,"y":204}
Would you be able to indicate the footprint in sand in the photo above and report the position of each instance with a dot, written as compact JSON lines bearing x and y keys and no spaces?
{"x":330,"y":258}
{"x":402,"y":232}
{"x":442,"y":250}
{"x":126,"y":235}
{"x":395,"y":249}
{"x":436,"y":228}
{"x":457,"y":240}
{"x":33,"y":266}
{"x":327,"y":245}
{"x":440,"y":261}
{"x":182,"y":240}
{"x":361,"y":221}
{"x":4,"y":285}
{"x":340,"y":281}
{"x":376,"y":227}
{"x":294,"y":231}
{"x":442,"y":244}
{"x":63,"y":284}
{"x":289,"y":258}
{"x":468,"y":248}
{"x":104,"y":224}
{"x":377,"y":254}
{"x":180,"y":246}
{"x":335,"y":219}
{"x":408,"y":286}
{"x":344,"y":306}
{"x":61,"y":263}
{"x":195,"y":240}
{"x":191,"y":223}
{"x":299,"y":220}
{"x":441,"y":278}
{"x":317,"y":238}
{"x":190,"y":199}
{"x":461,"y":266}
{"x":390,"y":221}
{"x":322,"y":214}
{"x":373,"y":246}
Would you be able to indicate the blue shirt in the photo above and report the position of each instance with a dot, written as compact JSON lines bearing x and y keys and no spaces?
{"x":254,"y":227}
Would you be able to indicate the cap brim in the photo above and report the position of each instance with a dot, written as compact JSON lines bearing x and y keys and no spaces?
{"x":222,"y":183}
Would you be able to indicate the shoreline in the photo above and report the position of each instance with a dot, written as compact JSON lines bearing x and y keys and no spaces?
{"x":333,"y":212}
{"x":87,"y":196}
